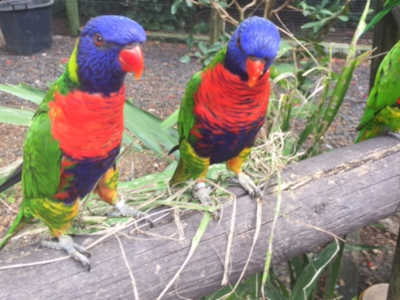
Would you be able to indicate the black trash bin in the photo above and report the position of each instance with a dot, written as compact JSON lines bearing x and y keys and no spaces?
{"x":26,"y":25}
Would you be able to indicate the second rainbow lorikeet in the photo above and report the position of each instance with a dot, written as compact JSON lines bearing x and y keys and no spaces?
{"x":224,"y":106}
{"x":382,"y":111}
{"x":75,"y":134}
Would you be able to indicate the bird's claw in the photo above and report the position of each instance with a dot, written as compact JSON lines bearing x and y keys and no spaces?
{"x":202,"y":193}
{"x":121,"y":209}
{"x":76,"y":251}
{"x":249,"y":186}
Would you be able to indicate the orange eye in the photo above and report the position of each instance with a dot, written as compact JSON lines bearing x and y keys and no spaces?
{"x":98,"y":40}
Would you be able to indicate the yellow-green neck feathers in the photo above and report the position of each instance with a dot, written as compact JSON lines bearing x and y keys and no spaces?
{"x":73,"y":64}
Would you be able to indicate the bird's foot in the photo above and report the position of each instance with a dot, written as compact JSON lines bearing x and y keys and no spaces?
{"x":396,"y":135}
{"x":202,"y":192}
{"x":248,"y":185}
{"x":121,"y":209}
{"x":66,"y":243}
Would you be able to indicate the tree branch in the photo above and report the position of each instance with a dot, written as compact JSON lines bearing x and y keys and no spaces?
{"x":279,"y":8}
{"x":336,"y":192}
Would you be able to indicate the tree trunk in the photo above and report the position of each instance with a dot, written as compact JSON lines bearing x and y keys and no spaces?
{"x":72,"y":9}
{"x":338,"y":192}
{"x":394,"y":287}
{"x":215,"y":25}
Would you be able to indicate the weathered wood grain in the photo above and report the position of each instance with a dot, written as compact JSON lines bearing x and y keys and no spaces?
{"x":338,"y":191}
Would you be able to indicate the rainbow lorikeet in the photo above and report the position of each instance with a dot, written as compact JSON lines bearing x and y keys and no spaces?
{"x":224,"y":106}
{"x":382,"y":111}
{"x":75,"y":134}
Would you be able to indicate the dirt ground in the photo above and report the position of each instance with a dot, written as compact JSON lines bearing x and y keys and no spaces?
{"x":159,"y":91}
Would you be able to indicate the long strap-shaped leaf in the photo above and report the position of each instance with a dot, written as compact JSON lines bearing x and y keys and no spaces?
{"x":24,"y":91}
{"x":15,"y":116}
{"x":389,"y":5}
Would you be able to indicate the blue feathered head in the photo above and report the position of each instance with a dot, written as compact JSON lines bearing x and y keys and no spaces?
{"x":109,"y":47}
{"x":252,"y":48}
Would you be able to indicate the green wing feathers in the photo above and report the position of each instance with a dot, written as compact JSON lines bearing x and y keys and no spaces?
{"x":190,"y":164}
{"x":42,"y":159}
{"x":13,"y":228}
{"x":41,"y":168}
{"x":382,"y":111}
{"x":42,"y":153}
{"x":186,"y":117}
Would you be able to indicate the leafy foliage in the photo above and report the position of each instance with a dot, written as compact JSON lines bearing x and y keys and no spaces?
{"x":304,"y":283}
{"x":388,"y":6}
{"x":322,"y":15}
{"x":155,"y":15}
{"x":204,"y":52}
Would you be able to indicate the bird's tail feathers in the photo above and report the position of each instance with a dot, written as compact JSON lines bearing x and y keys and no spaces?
{"x":13,"y":228}
{"x":359,"y":137}
{"x":367,"y":133}
{"x":12,"y":179}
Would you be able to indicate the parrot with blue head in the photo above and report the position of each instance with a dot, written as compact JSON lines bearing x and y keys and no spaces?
{"x":224,"y":107}
{"x":75,"y":134}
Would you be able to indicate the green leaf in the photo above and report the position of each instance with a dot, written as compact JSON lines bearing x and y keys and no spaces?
{"x":174,"y":6}
{"x":274,"y":293}
{"x":185,"y":59}
{"x":128,"y":140}
{"x":203,"y":47}
{"x":296,"y":266}
{"x":248,"y":289}
{"x":314,"y":25}
{"x":285,"y":68}
{"x":308,"y":279}
{"x":147,"y":128}
{"x":343,"y":18}
{"x":277,"y":284}
{"x":171,"y":120}
{"x":15,"y":116}
{"x":24,"y":91}
{"x":333,"y":274}
{"x":326,"y":12}
{"x":152,"y":182}
{"x":378,"y":17}
{"x":284,"y":47}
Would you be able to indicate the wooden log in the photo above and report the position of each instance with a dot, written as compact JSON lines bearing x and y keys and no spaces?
{"x":338,"y":192}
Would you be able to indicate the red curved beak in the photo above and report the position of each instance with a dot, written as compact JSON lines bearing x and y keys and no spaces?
{"x":255,"y":68}
{"x":131,"y":60}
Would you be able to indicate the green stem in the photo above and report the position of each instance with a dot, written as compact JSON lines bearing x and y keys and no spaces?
{"x":72,"y":9}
